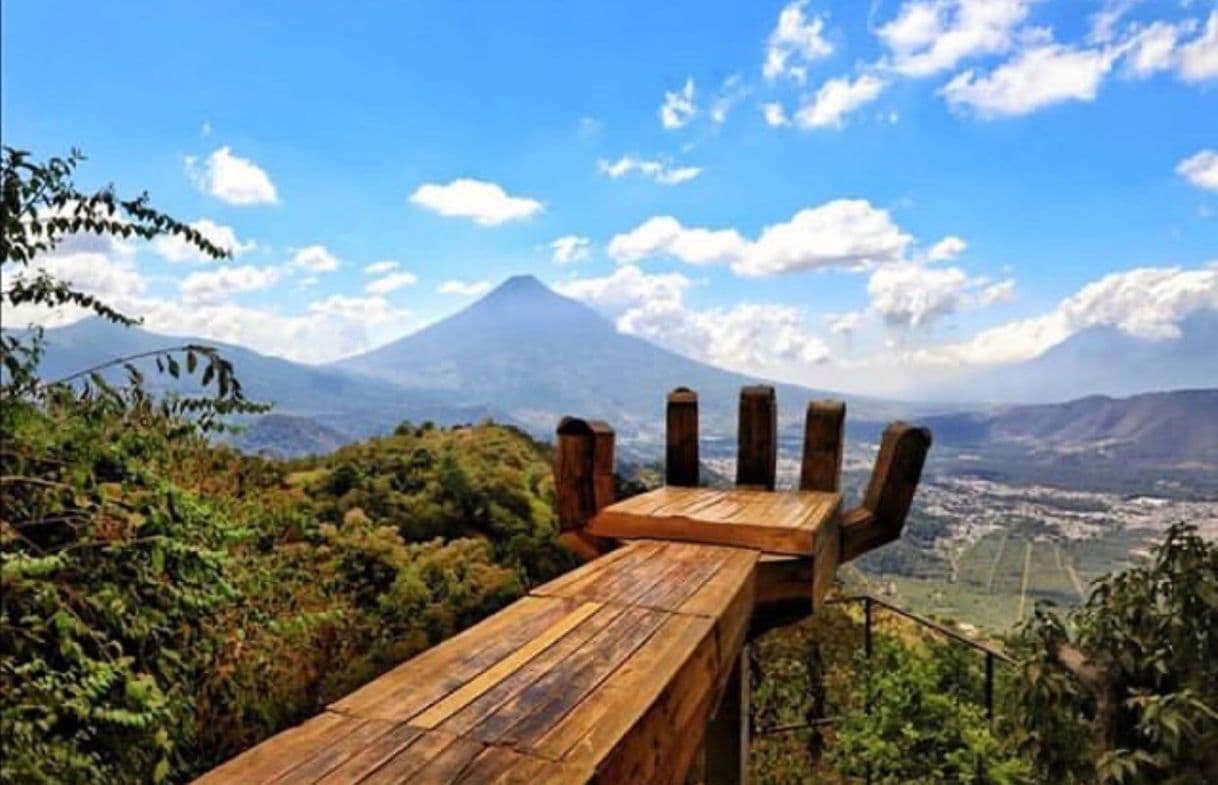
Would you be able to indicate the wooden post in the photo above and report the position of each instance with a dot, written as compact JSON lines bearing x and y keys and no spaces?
{"x":898,"y":468}
{"x":681,"y":457}
{"x":757,"y":437}
{"x":603,"y":490}
{"x":727,"y":736}
{"x":575,"y":482}
{"x":821,"y":468}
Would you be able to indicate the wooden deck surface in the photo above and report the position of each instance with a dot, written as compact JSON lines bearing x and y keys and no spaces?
{"x":787,"y":523}
{"x":608,"y":674}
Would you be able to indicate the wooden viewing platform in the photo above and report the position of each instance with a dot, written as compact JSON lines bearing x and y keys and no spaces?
{"x":628,"y":669}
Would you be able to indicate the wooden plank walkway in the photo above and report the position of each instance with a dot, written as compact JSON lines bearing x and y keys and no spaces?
{"x":608,"y":674}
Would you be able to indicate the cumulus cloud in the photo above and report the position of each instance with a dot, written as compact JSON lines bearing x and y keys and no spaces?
{"x":1201,"y":169}
{"x":845,"y":324}
{"x":571,"y":248}
{"x":665,"y":236}
{"x":464,"y":288}
{"x":837,"y":98}
{"x":796,"y":41}
{"x":774,"y":114}
{"x":660,"y":171}
{"x":315,"y":258}
{"x":930,"y":36}
{"x":678,"y":107}
{"x":625,"y":288}
{"x":232,"y":179}
{"x":1199,"y":58}
{"x":840,"y":233}
{"x":1147,"y":302}
{"x":912,"y":295}
{"x":1037,"y":77}
{"x":948,"y":248}
{"x":1152,"y":49}
{"x":175,"y":249}
{"x":487,"y":204}
{"x":380,"y":268}
{"x":224,"y":282}
{"x":391,"y":283}
{"x":747,"y":336}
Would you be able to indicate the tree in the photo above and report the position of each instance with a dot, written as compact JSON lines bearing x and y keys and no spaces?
{"x":1124,"y":689}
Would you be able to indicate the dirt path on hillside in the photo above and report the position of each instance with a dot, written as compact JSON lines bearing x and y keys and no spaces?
{"x":1023,"y":588}
{"x":1002,"y":544}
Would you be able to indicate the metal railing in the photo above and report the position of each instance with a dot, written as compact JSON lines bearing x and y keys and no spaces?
{"x":992,"y":655}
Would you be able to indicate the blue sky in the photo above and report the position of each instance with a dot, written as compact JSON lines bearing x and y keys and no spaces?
{"x":845,"y":194}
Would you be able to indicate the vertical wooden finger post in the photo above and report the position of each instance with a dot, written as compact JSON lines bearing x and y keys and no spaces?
{"x":681,"y":456}
{"x":821,"y":467}
{"x":757,"y":438}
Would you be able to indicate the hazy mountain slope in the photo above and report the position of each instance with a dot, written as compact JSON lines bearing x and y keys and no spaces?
{"x":539,"y":355}
{"x":1172,"y":427}
{"x":1102,"y":361}
{"x":286,"y":436}
{"x":349,"y":402}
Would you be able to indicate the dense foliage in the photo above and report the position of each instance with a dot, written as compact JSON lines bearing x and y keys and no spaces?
{"x":166,"y":601}
{"x":1124,"y":689}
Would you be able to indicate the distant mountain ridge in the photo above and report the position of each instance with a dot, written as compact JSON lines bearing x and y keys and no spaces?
{"x":1104,"y":361}
{"x":1179,"y":426}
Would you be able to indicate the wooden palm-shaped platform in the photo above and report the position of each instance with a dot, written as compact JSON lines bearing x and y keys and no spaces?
{"x":622,"y":670}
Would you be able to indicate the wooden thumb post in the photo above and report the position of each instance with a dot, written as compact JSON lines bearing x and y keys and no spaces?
{"x":583,"y":481}
{"x":898,"y":467}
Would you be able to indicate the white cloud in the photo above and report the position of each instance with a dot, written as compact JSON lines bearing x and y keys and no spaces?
{"x":382,"y":267}
{"x":231,"y":179}
{"x":1104,"y":22}
{"x":1151,"y":49}
{"x":660,"y":171}
{"x":948,"y":248}
{"x":837,"y":98}
{"x":678,"y":107}
{"x":731,"y":93}
{"x":1199,"y":57}
{"x":315,"y":258}
{"x":845,"y":324}
{"x":223,"y":282}
{"x":665,"y":236}
{"x":930,"y":36}
{"x":464,"y":288}
{"x":625,"y":288}
{"x":391,"y":283}
{"x":487,"y":204}
{"x":796,"y":40}
{"x":1147,"y":302}
{"x":1037,"y":77}
{"x":774,"y":114}
{"x":911,"y":295}
{"x":175,"y":249}
{"x":747,"y":336}
{"x":840,"y":233}
{"x":571,"y":248}
{"x":372,"y":310}
{"x":1201,"y":169}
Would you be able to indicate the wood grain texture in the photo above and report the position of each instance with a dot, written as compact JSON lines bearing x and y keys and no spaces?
{"x":757,"y":438}
{"x":821,"y":466}
{"x":574,"y":484}
{"x":784,"y":523}
{"x":681,"y":453}
{"x":890,"y":492}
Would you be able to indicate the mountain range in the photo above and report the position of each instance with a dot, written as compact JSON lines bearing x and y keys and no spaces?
{"x":526,"y":355}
